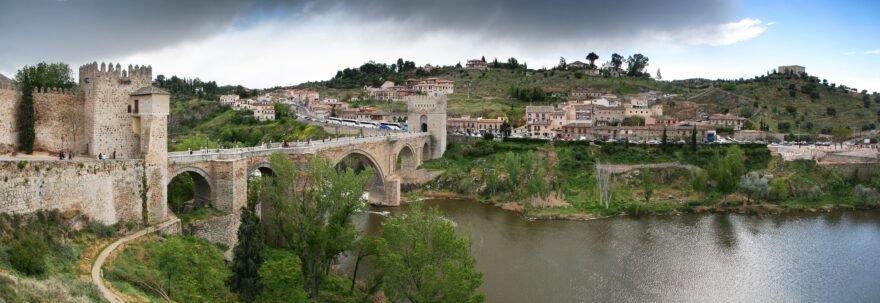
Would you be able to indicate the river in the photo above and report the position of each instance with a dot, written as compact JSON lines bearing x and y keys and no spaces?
{"x":832,"y":257}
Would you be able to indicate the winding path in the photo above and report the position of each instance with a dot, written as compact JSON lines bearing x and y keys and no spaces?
{"x":622,"y":168}
{"x":97,"y":273}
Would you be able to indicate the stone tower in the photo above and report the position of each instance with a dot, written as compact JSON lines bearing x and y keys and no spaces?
{"x":149,"y":109}
{"x":108,"y":121}
{"x":428,"y":114}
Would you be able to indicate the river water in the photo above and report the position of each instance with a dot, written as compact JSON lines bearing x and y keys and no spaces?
{"x":686,"y":258}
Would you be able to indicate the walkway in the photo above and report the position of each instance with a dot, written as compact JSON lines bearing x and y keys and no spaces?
{"x":98,"y":273}
{"x":293,"y":147}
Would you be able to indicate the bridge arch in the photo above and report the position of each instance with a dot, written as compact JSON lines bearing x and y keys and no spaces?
{"x":405,"y":159}
{"x":358,"y":160}
{"x":426,"y":152}
{"x":264,"y":168}
{"x":203,"y":185}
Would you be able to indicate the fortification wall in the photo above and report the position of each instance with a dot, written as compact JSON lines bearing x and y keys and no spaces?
{"x":9,"y":98}
{"x":55,"y":113}
{"x":217,"y":230}
{"x":106,"y":191}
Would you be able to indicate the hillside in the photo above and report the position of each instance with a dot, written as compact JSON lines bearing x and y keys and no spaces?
{"x":783,"y":101}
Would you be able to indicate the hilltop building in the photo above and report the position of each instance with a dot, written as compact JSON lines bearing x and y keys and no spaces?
{"x":476,"y":64}
{"x":791,"y":69}
{"x":466,"y":124}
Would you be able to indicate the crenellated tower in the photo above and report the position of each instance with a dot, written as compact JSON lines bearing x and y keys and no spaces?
{"x":108,"y":121}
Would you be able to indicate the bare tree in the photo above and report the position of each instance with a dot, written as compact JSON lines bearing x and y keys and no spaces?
{"x":605,"y":183}
{"x":75,"y":121}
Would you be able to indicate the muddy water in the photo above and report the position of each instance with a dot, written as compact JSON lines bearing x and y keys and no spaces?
{"x":697,"y":258}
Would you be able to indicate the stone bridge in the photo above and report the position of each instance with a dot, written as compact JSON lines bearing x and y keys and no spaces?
{"x":220,"y":176}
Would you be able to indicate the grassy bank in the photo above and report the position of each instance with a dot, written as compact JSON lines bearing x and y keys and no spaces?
{"x":47,"y":256}
{"x":558,"y":179}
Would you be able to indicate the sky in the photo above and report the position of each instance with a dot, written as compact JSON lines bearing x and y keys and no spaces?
{"x":275,"y":42}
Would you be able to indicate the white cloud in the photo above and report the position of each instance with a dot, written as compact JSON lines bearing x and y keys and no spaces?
{"x":851,"y":53}
{"x":716,"y":35}
{"x":872,"y":52}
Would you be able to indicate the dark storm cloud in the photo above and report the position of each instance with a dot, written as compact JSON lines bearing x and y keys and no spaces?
{"x":85,"y":30}
{"x":538,"y":21}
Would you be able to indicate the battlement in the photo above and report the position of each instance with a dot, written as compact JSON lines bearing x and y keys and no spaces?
{"x":54,"y":90}
{"x":4,"y":86}
{"x":92,"y":70}
{"x":426,"y":104}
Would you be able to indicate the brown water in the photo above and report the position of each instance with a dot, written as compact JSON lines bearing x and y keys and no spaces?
{"x":695,"y":258}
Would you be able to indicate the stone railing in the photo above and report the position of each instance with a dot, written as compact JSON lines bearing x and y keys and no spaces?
{"x":292,"y":148}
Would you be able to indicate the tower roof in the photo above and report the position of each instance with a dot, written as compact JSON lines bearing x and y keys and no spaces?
{"x":149,"y":90}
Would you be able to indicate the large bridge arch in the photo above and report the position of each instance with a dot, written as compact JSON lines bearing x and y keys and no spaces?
{"x":204,"y":189}
{"x":361,"y":160}
{"x":264,"y":168}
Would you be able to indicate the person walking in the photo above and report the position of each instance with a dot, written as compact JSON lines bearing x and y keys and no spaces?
{"x":61,"y":155}
{"x":70,"y":155}
{"x":114,"y":155}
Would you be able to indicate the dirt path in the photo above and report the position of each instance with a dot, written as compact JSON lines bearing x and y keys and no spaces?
{"x":97,"y":272}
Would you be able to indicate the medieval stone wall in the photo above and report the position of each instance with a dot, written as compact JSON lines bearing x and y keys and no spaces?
{"x":9,"y":98}
{"x":222,"y":229}
{"x":108,"y":191}
{"x":55,"y":112}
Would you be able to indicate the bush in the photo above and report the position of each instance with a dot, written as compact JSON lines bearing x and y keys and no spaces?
{"x":100,"y":230}
{"x":28,"y":253}
{"x":866,"y":194}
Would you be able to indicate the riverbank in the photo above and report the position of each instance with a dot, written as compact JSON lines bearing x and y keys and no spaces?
{"x":734,"y":205}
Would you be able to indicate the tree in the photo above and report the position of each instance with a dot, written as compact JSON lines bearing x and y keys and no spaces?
{"x":422,"y":260}
{"x":505,"y":129}
{"x":25,"y":117}
{"x":245,"y":279}
{"x":665,"y":139}
{"x":562,"y":63}
{"x":483,"y":58}
{"x":647,"y":184}
{"x":726,"y":171}
{"x":840,"y":134}
{"x":47,"y":75}
{"x":658,"y":77}
{"x":592,"y":57}
{"x":694,"y":139}
{"x":616,"y":61}
{"x":313,"y":212}
{"x":604,"y":184}
{"x":636,"y":64}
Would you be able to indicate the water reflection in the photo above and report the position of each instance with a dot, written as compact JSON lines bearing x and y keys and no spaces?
{"x":703,"y":258}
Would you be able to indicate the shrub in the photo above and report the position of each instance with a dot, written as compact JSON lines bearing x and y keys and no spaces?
{"x":778,"y":189}
{"x":28,"y":253}
{"x":100,"y":230}
{"x":866,"y":194}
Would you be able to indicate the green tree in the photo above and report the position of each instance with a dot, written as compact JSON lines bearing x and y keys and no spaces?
{"x":47,"y":75}
{"x":636,"y":64}
{"x":193,"y":270}
{"x":840,"y":134}
{"x":665,"y":138}
{"x":647,"y":181}
{"x":245,"y":279}
{"x":25,"y":118}
{"x":694,"y":139}
{"x":616,"y":60}
{"x":592,"y":57}
{"x":313,"y":212}
{"x":422,"y":260}
{"x":726,"y":171}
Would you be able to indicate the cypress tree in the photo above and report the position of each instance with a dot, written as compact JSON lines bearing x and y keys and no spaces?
{"x":25,"y":118}
{"x":694,"y":139}
{"x":245,"y":279}
{"x":665,"y":139}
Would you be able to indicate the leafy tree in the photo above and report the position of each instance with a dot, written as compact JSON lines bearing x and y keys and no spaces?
{"x":726,"y":171}
{"x":778,"y":189}
{"x":313,"y":212}
{"x":505,"y":129}
{"x":616,"y":60}
{"x":647,"y":181}
{"x":27,"y":252}
{"x":664,"y":139}
{"x":192,"y":271}
{"x":47,"y":75}
{"x":592,"y":57}
{"x":422,"y":260}
{"x":840,"y":134}
{"x":636,"y":64}
{"x":830,"y":111}
{"x":488,"y":136}
{"x":694,"y":139}
{"x":562,"y":63}
{"x":25,"y":118}
{"x":658,"y":77}
{"x":245,"y":279}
